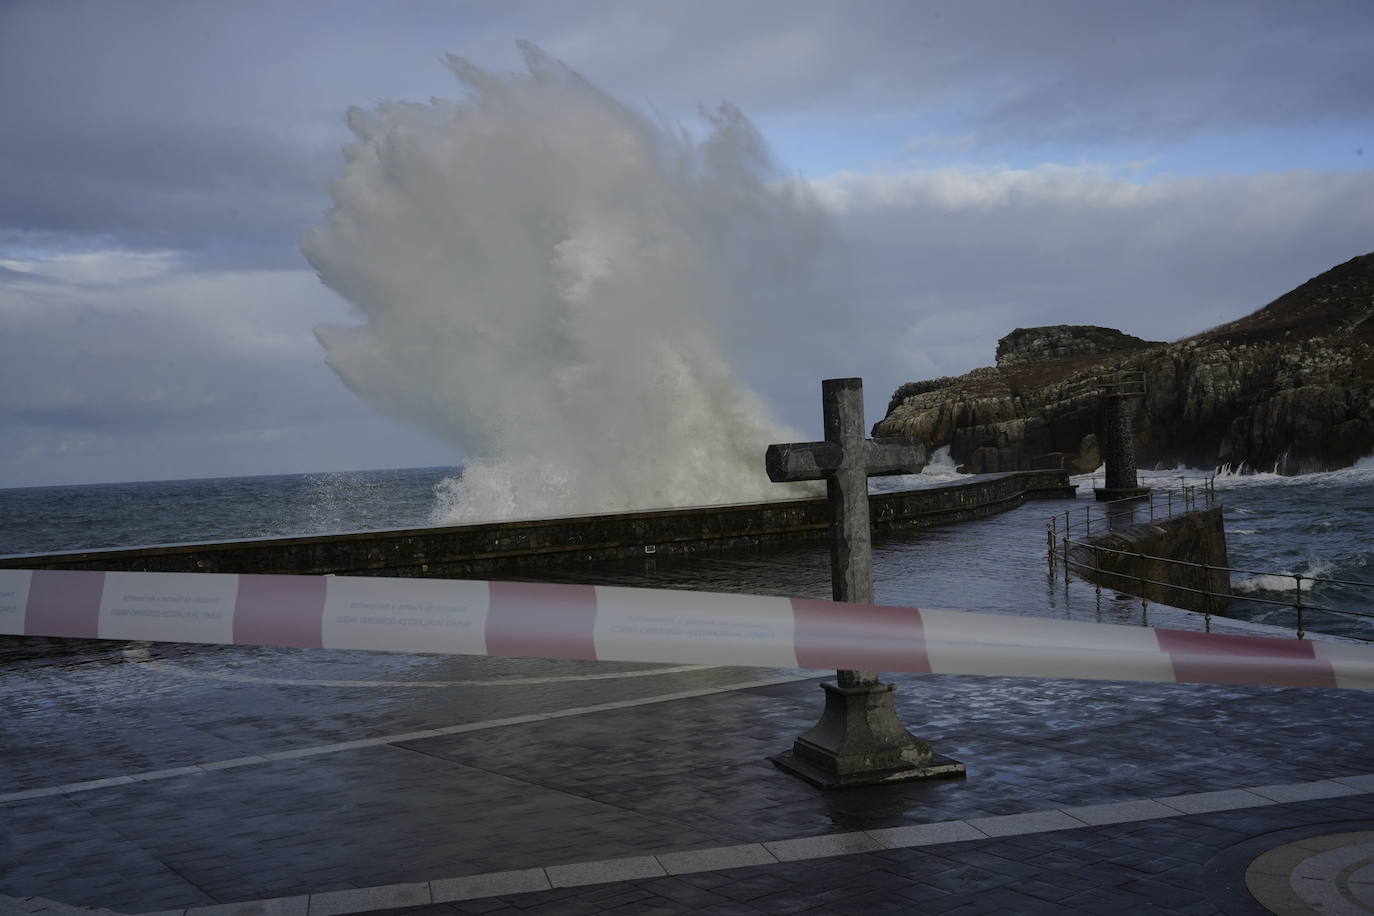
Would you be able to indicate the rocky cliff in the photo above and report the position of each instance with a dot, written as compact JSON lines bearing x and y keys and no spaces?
{"x":1289,"y":387}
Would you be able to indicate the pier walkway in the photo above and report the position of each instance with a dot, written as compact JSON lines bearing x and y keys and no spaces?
{"x":217,"y":780}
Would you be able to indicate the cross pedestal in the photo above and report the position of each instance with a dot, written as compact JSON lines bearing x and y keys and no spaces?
{"x":859,"y":740}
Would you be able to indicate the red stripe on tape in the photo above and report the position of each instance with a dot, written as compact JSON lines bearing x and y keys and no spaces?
{"x":64,"y":602}
{"x":542,"y":620}
{"x":1217,"y":658}
{"x":280,"y":611}
{"x":864,"y":637}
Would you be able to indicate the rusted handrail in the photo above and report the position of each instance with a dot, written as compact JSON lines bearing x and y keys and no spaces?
{"x":1061,"y":541}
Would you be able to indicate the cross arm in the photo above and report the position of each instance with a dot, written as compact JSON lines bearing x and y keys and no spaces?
{"x":897,"y":455}
{"x":802,"y":461}
{"x":819,"y":460}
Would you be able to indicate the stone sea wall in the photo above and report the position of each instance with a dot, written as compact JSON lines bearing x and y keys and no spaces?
{"x":1136,"y":559}
{"x":508,"y":548}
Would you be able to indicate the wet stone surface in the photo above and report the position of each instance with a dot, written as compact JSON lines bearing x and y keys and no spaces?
{"x":1157,"y":866}
{"x":668,"y":776}
{"x":676,"y":775}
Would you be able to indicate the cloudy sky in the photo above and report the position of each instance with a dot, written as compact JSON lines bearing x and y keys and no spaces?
{"x":1158,"y":167}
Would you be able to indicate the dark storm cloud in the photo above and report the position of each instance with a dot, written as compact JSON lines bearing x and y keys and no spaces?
{"x":163,"y":186}
{"x":204,"y":134}
{"x":1066,"y":69}
{"x":215,"y":126}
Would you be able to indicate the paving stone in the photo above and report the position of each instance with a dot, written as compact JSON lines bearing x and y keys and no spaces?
{"x":32,"y":793}
{"x":1030,"y":822}
{"x":926,"y":834}
{"x":991,"y":858}
{"x":716,"y":859}
{"x":1165,"y":895}
{"x":298,"y":753}
{"x":1203,"y":802}
{"x":1304,"y":791}
{"x":91,"y":785}
{"x":364,"y":899}
{"x":489,"y":885}
{"x":607,"y":785}
{"x":608,"y":870}
{"x":1120,"y":812}
{"x":1365,"y":782}
{"x":817,"y":847}
{"x":278,"y":906}
{"x":191,"y":770}
{"x":232,"y":762}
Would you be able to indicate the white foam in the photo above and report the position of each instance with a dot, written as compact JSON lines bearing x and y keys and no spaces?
{"x":1284,"y":581}
{"x":939,"y":470}
{"x":548,"y":279}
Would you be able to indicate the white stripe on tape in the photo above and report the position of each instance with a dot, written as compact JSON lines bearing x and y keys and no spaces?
{"x":168,"y":607}
{"x":14,"y":600}
{"x":428,"y":615}
{"x":644,"y":625}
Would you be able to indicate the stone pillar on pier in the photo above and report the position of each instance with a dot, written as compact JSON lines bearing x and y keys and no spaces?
{"x":1123,"y":394}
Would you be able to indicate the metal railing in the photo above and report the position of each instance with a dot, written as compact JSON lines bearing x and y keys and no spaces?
{"x":1064,"y":541}
{"x":1191,"y":495}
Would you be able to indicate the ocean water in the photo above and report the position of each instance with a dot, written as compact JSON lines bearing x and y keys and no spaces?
{"x":1318,"y":525}
{"x":54,"y":519}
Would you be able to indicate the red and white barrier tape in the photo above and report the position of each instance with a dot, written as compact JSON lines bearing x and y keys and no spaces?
{"x":461,"y":617}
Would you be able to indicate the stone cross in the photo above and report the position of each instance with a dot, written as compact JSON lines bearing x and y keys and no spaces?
{"x":845,"y":460}
{"x":859,"y":740}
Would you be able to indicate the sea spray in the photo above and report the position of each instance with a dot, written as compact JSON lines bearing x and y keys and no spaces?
{"x":939,"y":471}
{"x":551,"y":280}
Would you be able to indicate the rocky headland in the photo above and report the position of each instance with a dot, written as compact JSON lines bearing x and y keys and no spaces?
{"x":1288,"y":388}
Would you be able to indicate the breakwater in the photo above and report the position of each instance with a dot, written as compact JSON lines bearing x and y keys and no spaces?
{"x":1180,"y":560}
{"x":512,"y":548}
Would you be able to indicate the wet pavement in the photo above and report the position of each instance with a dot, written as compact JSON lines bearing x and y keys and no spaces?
{"x":165,"y":778}
{"x":147,"y":779}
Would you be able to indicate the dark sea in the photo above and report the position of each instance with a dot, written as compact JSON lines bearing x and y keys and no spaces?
{"x":1319,"y":525}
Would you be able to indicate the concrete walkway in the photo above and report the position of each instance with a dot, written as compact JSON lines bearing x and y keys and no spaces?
{"x":223,"y":780}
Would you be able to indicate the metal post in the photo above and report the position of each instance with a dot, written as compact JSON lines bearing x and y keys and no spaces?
{"x":1169,"y":494}
{"x":1298,"y":578}
{"x":1144,"y":603}
{"x":1066,"y":562}
{"x":1207,"y":597}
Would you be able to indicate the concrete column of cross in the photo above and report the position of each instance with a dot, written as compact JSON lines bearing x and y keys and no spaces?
{"x":845,"y":460}
{"x":859,"y":740}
